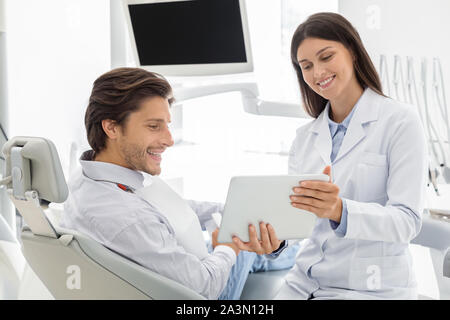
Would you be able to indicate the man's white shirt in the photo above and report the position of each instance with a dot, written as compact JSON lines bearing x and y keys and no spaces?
{"x":125,"y":223}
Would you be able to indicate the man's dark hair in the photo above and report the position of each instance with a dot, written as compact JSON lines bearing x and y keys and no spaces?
{"x":118,"y":93}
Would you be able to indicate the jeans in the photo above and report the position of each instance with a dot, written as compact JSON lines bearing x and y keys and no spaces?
{"x":248,"y":262}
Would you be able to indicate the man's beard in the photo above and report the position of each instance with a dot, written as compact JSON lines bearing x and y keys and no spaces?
{"x":136,"y":157}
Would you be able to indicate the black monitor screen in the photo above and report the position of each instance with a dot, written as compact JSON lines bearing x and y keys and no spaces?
{"x":188,"y":32}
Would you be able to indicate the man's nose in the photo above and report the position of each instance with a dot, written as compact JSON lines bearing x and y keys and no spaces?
{"x":167,"y":137}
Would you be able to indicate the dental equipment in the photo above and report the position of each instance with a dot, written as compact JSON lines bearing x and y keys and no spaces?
{"x":413,"y":98}
{"x":398,"y":78}
{"x":250,"y":99}
{"x":430,"y":127}
{"x":384,"y":74}
{"x":441,"y":103}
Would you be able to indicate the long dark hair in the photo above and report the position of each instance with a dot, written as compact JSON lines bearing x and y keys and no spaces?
{"x":118,"y":93}
{"x":334,"y":27}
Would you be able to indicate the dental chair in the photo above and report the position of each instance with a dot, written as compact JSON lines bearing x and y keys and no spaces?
{"x":12,"y":263}
{"x":435,"y":235}
{"x":70,"y":264}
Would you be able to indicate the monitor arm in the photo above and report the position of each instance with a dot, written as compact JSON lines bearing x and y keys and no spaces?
{"x":250,"y":99}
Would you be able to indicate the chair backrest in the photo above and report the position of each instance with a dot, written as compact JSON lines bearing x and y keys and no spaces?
{"x":70,"y":264}
{"x":77,"y":267}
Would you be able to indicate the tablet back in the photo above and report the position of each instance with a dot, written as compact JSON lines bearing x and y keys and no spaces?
{"x":252,"y":199}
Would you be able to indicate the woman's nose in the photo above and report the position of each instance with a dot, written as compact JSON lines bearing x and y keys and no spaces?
{"x":319,"y":72}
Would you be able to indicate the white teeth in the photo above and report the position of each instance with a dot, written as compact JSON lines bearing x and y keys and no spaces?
{"x":326,"y":81}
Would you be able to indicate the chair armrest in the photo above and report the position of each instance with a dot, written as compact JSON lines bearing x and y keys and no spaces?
{"x":446,"y":267}
{"x":434,"y":234}
{"x":263,"y":285}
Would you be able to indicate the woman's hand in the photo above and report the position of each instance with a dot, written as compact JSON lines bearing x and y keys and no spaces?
{"x":269,"y":241}
{"x":318,"y":197}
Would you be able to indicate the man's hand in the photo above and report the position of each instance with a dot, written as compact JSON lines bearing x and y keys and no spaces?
{"x":269,"y":241}
{"x":318,"y":197}
{"x":231,"y":244}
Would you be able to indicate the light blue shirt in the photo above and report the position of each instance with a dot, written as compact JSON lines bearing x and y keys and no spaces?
{"x":337,"y":132}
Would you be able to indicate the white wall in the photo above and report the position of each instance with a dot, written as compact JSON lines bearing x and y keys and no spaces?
{"x":413,"y":28}
{"x":3,"y":87}
{"x":56,"y":49}
{"x":6,"y":209}
{"x":272,"y":24}
{"x":2,"y":16}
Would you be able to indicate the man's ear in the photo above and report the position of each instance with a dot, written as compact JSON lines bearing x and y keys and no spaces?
{"x":111,"y":128}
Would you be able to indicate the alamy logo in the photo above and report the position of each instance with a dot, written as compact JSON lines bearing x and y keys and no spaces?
{"x":74,"y":279}
{"x":374,"y":280}
{"x":373,"y":21}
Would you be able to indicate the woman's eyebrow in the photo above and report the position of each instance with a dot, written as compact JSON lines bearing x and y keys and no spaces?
{"x":154,"y":119}
{"x":317,"y":53}
{"x":322,"y":50}
{"x":157,"y":120}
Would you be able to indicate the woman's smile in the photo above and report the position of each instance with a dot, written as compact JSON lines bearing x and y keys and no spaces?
{"x":326,"y":83}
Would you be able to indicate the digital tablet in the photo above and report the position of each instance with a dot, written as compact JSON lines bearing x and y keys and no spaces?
{"x":252,"y":199}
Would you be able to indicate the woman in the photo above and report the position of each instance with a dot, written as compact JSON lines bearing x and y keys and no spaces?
{"x":374,"y":150}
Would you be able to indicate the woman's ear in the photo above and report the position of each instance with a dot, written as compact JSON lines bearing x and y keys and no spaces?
{"x":352,"y":53}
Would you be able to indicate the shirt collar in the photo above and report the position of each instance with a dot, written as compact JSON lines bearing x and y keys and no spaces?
{"x":104,"y":171}
{"x":334,"y":125}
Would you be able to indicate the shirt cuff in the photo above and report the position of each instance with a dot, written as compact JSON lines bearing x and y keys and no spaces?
{"x":341,"y":228}
{"x":276,"y":253}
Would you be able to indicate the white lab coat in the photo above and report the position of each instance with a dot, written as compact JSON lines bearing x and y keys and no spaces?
{"x":381,"y":170}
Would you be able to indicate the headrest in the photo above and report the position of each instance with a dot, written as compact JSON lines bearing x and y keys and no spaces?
{"x":46,"y":175}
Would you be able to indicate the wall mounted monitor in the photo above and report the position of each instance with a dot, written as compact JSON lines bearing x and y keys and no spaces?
{"x":189,"y":38}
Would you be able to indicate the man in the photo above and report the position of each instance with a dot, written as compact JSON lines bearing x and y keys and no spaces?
{"x":127,"y":127}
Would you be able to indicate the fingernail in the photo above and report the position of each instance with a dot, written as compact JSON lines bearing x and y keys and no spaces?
{"x":303,"y":184}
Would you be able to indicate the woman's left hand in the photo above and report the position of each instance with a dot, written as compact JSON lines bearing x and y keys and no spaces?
{"x":319,"y":197}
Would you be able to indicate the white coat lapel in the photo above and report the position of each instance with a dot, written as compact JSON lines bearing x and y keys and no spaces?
{"x":366,"y":111}
{"x":322,"y":141}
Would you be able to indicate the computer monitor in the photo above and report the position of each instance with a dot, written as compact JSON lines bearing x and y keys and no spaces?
{"x":189,"y":38}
